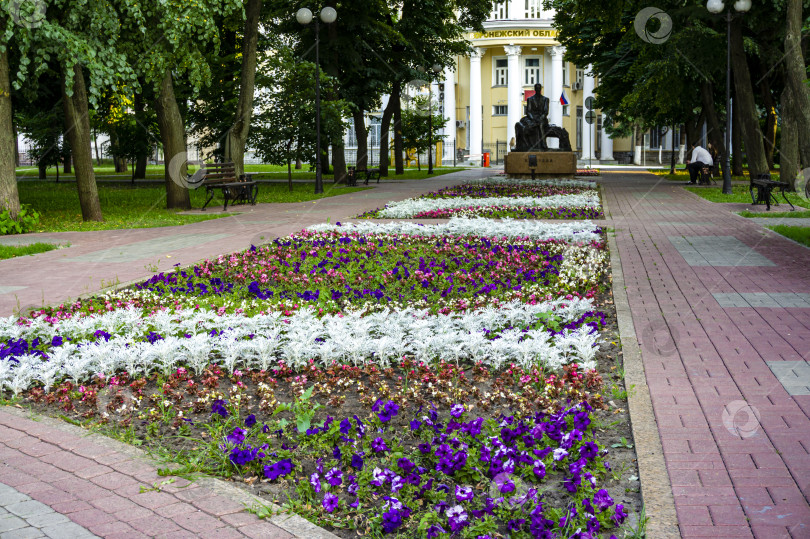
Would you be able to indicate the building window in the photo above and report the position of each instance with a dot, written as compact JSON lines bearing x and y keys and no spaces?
{"x":658,"y":137}
{"x":351,"y":138}
{"x":499,"y":110}
{"x":501,"y":11}
{"x":374,"y":129}
{"x":579,"y":128}
{"x":531,"y":72}
{"x":580,"y":76}
{"x":566,"y":75}
{"x":500,"y":71}
{"x":534,"y":9}
{"x":566,"y":110}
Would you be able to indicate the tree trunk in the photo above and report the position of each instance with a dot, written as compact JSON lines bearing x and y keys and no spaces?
{"x":339,"y":162}
{"x":385,"y":126}
{"x":43,"y":169}
{"x":795,"y":74}
{"x":672,"y":157}
{"x":140,"y":167}
{"x":714,"y":132}
{"x":172,"y":134}
{"x":95,"y":143}
{"x":692,"y":127}
{"x":239,"y":131}
{"x":398,"y":142}
{"x":770,"y":119}
{"x":139,"y":164}
{"x":324,"y":158}
{"x":67,"y":164}
{"x":9,"y":197}
{"x":361,"y":134}
{"x":789,"y":144}
{"x":749,"y":119}
{"x":78,"y":133}
{"x":736,"y":141}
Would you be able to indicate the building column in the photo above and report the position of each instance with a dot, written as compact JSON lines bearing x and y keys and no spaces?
{"x":476,"y":126}
{"x":607,"y":142}
{"x":450,"y":130}
{"x":514,"y":92}
{"x":589,"y":131}
{"x":555,"y":113}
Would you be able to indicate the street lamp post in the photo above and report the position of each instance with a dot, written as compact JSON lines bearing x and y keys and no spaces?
{"x":304,"y":17}
{"x":716,"y":7}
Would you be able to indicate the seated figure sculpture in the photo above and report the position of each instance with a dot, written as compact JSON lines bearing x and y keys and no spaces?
{"x":533,"y":129}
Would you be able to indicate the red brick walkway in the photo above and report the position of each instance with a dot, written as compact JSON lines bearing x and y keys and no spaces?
{"x":736,"y":444}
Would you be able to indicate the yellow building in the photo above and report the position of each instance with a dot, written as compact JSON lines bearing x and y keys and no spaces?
{"x":485,"y":93}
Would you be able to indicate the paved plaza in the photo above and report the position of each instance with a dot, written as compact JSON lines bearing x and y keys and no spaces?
{"x":719,"y":307}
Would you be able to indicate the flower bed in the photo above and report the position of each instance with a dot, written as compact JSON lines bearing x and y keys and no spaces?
{"x":500,"y":198}
{"x":436,"y":381}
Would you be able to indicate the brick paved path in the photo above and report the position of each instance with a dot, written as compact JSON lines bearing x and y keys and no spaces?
{"x":721,"y":308}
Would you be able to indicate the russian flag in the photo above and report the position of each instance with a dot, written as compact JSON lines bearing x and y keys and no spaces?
{"x":563,"y":99}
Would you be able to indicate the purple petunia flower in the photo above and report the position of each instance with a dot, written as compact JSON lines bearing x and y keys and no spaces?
{"x":602,"y":499}
{"x":434,"y":531}
{"x":237,"y":436}
{"x":464,"y":494}
{"x":539,"y":469}
{"x":378,"y":444}
{"x":278,"y":469}
{"x":357,"y":462}
{"x":345,"y":426}
{"x":619,"y":515}
{"x":330,"y":502}
{"x":250,"y":420}
{"x":415,"y":424}
{"x":560,"y":454}
{"x":457,"y":518}
{"x":589,"y":450}
{"x":405,"y":465}
{"x":397,"y":483}
{"x":457,"y":410}
{"x":334,"y":477}
{"x":315,"y":481}
{"x":392,"y":520}
{"x":218,"y":407}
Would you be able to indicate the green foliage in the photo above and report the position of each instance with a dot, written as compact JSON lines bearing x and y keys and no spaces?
{"x":26,"y":221}
{"x":13,"y":251}
{"x":415,"y":125}
{"x":800,"y":234}
{"x":303,"y":408}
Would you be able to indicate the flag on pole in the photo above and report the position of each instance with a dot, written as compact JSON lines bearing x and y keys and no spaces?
{"x":563,"y":99}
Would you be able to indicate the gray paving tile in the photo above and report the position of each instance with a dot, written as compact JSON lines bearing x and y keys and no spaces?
{"x":22,"y":533}
{"x":793,"y":375}
{"x":717,"y":251}
{"x":68,"y":530}
{"x":684,"y":223}
{"x":11,"y":522}
{"x":28,"y":240}
{"x":10,"y":289}
{"x":24,"y":518}
{"x":28,"y":508}
{"x":761,"y":299}
{"x":147,"y":248}
{"x":47,"y":519}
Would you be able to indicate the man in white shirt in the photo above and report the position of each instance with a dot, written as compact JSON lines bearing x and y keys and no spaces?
{"x":700,"y":158}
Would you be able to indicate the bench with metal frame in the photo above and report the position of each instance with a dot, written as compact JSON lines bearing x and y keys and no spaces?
{"x":765,"y":186}
{"x":222,"y":176}
{"x":353,"y":174}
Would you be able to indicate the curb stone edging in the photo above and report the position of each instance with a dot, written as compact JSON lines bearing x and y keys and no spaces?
{"x":289,"y":522}
{"x":656,"y":489}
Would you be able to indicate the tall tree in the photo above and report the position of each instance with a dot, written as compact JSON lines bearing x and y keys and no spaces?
{"x":238,"y":133}
{"x":796,"y":74}
{"x":9,"y":198}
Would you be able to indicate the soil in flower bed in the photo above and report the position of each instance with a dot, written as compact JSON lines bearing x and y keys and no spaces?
{"x":386,"y":440}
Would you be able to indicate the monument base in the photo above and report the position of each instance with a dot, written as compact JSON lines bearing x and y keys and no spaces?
{"x":545,"y":164}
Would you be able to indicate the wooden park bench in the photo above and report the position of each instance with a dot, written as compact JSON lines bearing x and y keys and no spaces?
{"x":353,"y":174}
{"x":222,"y":176}
{"x":764,"y":186}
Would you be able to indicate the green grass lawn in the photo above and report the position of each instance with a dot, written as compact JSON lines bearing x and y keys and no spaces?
{"x":740,"y":193}
{"x":800,"y":234}
{"x":682,"y":175}
{"x":263,"y":172}
{"x":12,"y":251}
{"x":141,"y":206}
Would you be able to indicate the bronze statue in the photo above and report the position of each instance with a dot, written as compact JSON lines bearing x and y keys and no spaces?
{"x":533,"y":129}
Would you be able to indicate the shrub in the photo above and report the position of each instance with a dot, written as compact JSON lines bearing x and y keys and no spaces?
{"x":26,"y":220}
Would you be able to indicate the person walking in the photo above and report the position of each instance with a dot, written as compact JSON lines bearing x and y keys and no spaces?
{"x":700,"y":158}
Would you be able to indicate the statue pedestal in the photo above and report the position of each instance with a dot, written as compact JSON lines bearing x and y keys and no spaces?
{"x":549,"y":164}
